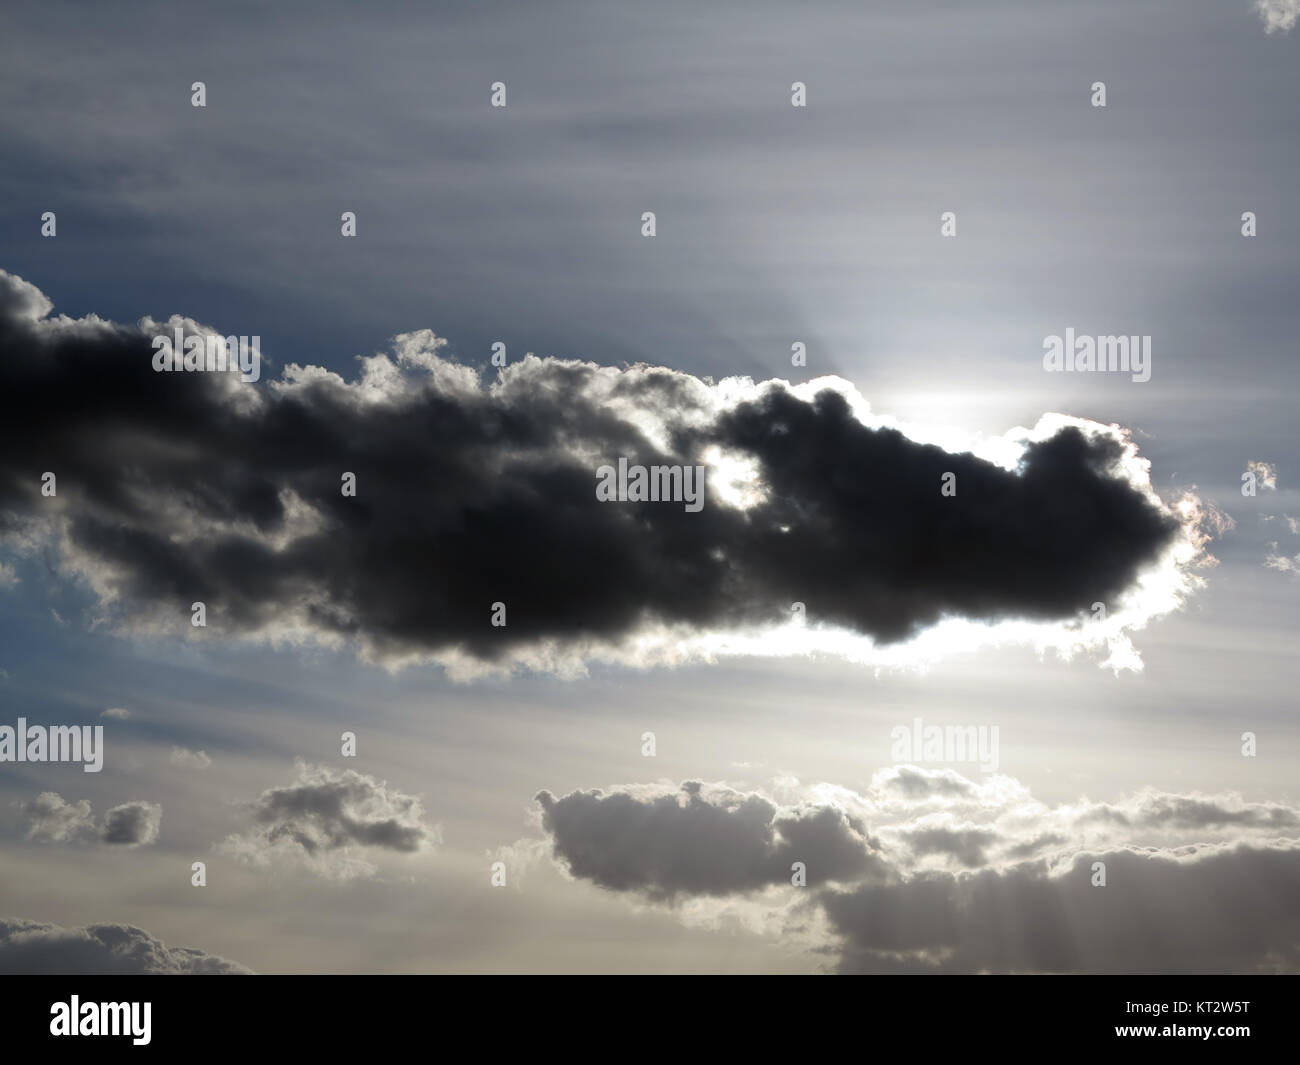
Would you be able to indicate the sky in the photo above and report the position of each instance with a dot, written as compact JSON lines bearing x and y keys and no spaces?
{"x":607,"y":734}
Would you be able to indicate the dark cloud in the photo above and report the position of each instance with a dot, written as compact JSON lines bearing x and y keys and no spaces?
{"x":700,"y":843}
{"x":327,"y":815}
{"x":878,"y":548}
{"x":132,"y":824}
{"x":1201,"y":909}
{"x":183,"y":487}
{"x":33,"y":947}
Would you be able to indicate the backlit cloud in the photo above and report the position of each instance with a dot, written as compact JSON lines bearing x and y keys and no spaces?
{"x":177,"y":488}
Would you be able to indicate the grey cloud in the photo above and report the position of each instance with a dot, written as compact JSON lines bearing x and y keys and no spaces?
{"x":329,"y":817}
{"x":700,"y":842}
{"x":908,"y":887}
{"x":912,"y":782}
{"x":1031,"y":847}
{"x":1209,"y":908}
{"x":34,"y":947}
{"x":1154,"y":810}
{"x":967,"y":846}
{"x":133,"y":824}
{"x":51,"y":817}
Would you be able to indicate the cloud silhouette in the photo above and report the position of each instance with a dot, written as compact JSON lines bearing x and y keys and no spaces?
{"x":175,"y":488}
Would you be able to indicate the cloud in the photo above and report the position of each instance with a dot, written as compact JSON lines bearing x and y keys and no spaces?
{"x":519,"y":858}
{"x":33,"y":947}
{"x":133,"y":824}
{"x":51,"y":817}
{"x":175,"y":488}
{"x":184,"y":758}
{"x":699,"y":840}
{"x":1278,"y":15}
{"x":912,"y":782}
{"x":328,"y":820}
{"x":1156,"y":810}
{"x":1217,"y":908}
{"x":1280,"y":562}
{"x":924,"y":870}
{"x":1265,"y":474}
{"x":967,"y":846}
{"x":117,"y":713}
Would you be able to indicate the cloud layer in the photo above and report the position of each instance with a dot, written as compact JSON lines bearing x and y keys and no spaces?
{"x":927,"y":871}
{"x":175,"y":488}
{"x":37,"y":948}
{"x":1202,"y":908}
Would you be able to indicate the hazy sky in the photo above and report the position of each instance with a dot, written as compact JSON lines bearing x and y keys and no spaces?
{"x":775,"y":225}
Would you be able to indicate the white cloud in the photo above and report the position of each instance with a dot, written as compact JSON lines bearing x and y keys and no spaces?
{"x":51,"y":817}
{"x":1278,"y":15}
{"x":1265,"y":474}
{"x":183,"y":758}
